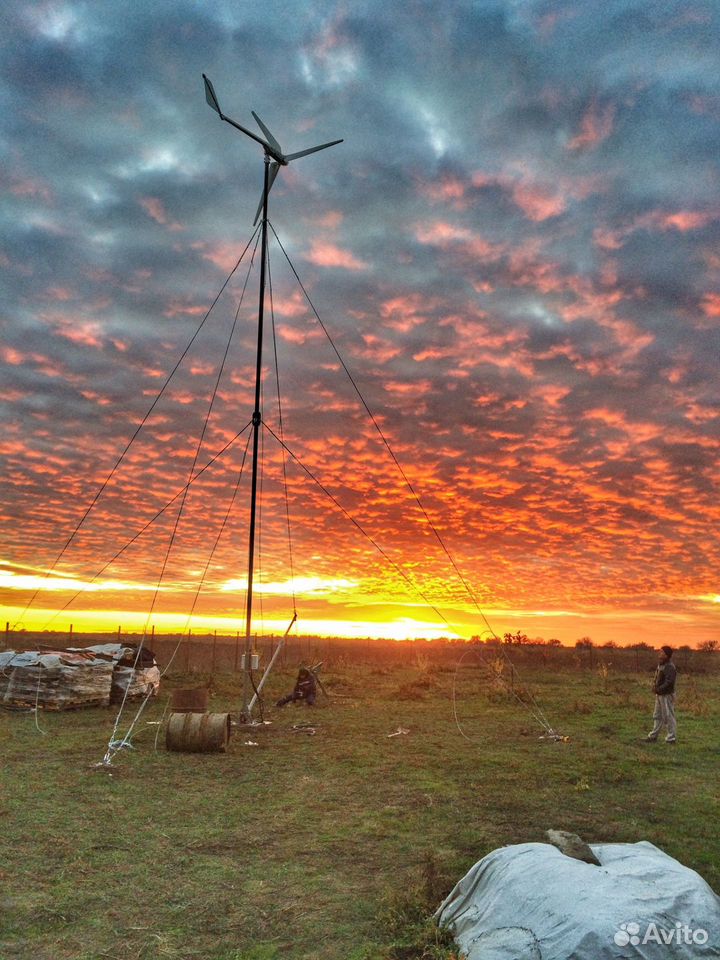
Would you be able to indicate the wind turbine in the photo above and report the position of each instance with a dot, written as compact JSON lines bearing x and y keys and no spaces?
{"x":273,"y":151}
{"x":274,"y":159}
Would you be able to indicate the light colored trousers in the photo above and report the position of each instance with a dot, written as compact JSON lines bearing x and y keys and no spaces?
{"x":664,"y":715}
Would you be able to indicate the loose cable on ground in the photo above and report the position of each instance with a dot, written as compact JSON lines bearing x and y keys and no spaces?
{"x":37,"y":700}
{"x":538,"y":717}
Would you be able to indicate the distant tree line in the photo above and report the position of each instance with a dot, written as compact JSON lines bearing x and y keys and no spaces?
{"x":519,"y":639}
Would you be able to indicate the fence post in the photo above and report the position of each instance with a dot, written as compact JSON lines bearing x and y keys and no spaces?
{"x":71,"y":633}
{"x":212,"y":669}
{"x":7,"y":633}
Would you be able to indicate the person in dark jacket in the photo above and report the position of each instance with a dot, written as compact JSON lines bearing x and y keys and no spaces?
{"x":664,"y":687}
{"x":305,"y":689}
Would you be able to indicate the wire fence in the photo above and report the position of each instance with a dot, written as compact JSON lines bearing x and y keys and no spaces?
{"x":213,"y":652}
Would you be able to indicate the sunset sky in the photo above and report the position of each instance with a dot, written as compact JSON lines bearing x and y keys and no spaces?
{"x":515,"y":251}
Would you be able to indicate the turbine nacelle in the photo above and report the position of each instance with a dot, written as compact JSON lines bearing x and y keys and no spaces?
{"x":270,"y":145}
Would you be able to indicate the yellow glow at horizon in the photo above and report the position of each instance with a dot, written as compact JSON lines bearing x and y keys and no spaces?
{"x":355,"y":612}
{"x":24,"y":581}
{"x":108,"y":621}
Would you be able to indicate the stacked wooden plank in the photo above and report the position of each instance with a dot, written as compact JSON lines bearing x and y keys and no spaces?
{"x":67,"y":679}
{"x":54,"y":680}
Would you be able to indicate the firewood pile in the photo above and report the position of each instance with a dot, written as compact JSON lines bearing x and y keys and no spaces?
{"x":68,"y":679}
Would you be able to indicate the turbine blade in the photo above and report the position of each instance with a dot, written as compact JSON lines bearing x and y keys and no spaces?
{"x":212,"y":99}
{"x":210,"y":95}
{"x":274,"y":167}
{"x":304,"y":153}
{"x":249,"y":133}
{"x":270,"y":138}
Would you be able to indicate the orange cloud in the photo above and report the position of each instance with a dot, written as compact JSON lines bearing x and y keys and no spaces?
{"x":683,"y":221}
{"x":198,"y":369}
{"x":223,"y":255}
{"x":177,"y":309}
{"x":294,"y":335}
{"x":324,"y":254}
{"x":608,"y":239}
{"x":711,"y":305}
{"x":537,"y":198}
{"x":379,"y":350}
{"x":448,"y":189}
{"x":331,"y":220}
{"x":433,"y":353}
{"x":155,"y":209}
{"x":414,"y":388}
{"x":551,"y":394}
{"x":698,"y":413}
{"x":538,"y":203}
{"x":638,"y":431}
{"x":12,"y":356}
{"x":447,"y":236}
{"x":85,"y":332}
{"x":96,"y":397}
{"x":596,"y":125}
{"x":405,"y":312}
{"x":293,"y":306}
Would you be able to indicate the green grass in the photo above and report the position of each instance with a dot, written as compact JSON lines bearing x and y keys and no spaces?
{"x":338,"y":845}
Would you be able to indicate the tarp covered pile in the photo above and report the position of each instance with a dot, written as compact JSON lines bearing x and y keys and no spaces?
{"x":87,"y":677}
{"x":532,"y":902}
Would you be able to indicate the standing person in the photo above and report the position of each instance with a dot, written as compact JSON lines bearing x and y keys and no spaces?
{"x":664,"y":686}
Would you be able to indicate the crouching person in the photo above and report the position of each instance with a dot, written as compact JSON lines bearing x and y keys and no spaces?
{"x":305,"y":689}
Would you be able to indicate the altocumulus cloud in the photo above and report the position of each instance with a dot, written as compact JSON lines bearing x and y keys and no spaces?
{"x":515,"y":249}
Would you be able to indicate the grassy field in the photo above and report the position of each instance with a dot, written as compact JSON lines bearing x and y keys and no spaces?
{"x":336,"y":845}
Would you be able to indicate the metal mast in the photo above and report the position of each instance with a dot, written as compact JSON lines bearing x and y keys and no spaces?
{"x":274,"y":158}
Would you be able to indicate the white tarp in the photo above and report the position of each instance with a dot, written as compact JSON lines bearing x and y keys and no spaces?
{"x":54,"y":679}
{"x":78,"y":677}
{"x":138,"y":674}
{"x":532,"y":902}
{"x":139,"y":683}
